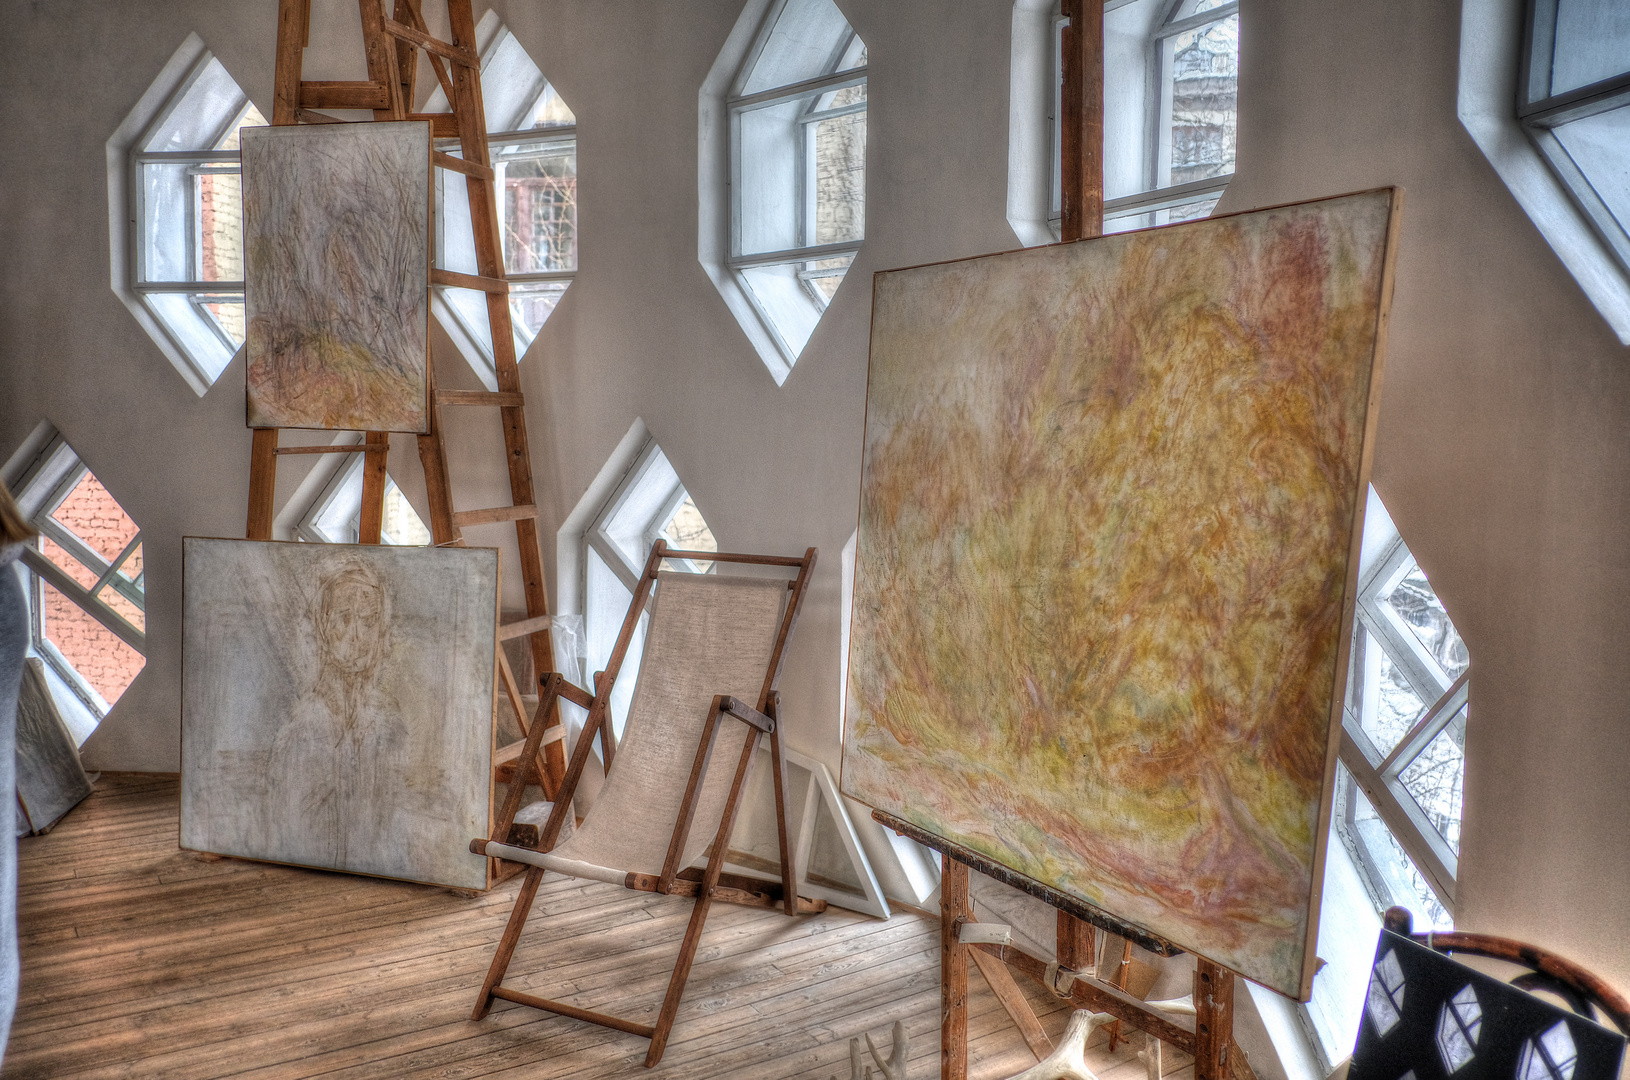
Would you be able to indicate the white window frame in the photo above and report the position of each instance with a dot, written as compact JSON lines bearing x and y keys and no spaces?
{"x":345,"y":485}
{"x":1491,"y":60}
{"x":56,"y":472}
{"x":127,"y":213}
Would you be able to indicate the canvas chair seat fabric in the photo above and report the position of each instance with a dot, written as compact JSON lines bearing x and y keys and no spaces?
{"x":708,"y":635}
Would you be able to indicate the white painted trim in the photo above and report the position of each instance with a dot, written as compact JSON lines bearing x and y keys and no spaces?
{"x":1490,"y":43}
{"x":1029,"y":197}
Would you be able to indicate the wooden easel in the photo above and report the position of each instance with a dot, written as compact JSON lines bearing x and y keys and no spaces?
{"x":1082,"y":182}
{"x":393,"y":44}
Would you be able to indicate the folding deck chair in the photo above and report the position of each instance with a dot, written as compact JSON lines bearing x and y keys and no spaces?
{"x":714,"y":642}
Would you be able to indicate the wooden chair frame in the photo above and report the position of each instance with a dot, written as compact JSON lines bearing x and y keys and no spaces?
{"x":706,"y":886}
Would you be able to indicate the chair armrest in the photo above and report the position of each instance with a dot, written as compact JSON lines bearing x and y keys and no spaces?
{"x":746,"y":714}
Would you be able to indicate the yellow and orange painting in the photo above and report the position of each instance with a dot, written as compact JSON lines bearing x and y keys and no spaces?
{"x":1110,"y":491}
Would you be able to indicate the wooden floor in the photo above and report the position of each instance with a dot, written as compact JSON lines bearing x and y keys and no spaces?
{"x":140,"y":960}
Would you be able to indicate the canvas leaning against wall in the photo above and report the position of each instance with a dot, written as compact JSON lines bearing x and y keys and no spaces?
{"x":1111,"y":496}
{"x":337,"y":705}
{"x":336,"y":221}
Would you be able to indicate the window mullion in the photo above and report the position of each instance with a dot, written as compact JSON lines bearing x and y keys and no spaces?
{"x":776,"y":94}
{"x":1420,"y":840}
{"x":73,"y":590}
{"x":113,"y":567}
{"x":803,"y":254}
{"x":73,"y":545}
{"x":1432,"y":721}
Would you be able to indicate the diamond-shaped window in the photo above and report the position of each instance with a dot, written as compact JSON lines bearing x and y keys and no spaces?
{"x":532,"y":141}
{"x":1552,"y":1056}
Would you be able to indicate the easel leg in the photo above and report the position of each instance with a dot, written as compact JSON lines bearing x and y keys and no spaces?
{"x":506,"y":944}
{"x":953,"y":972}
{"x":1213,"y":1021}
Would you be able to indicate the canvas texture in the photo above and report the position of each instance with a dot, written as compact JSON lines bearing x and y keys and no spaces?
{"x":336,"y":221}
{"x":337,"y":705}
{"x":709,"y":635}
{"x":1110,"y":492}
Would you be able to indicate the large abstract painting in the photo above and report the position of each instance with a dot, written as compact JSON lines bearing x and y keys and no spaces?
{"x":1110,"y":497}
{"x":336,"y":222}
{"x":337,"y":705}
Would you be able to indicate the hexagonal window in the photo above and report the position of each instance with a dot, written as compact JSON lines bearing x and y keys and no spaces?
{"x":86,"y":585}
{"x":532,"y":141}
{"x":790,"y":207}
{"x":1171,"y":113}
{"x":1566,"y":63}
{"x":174,"y":177}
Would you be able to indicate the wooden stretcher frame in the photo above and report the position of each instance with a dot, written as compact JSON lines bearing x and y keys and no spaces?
{"x":706,"y":886}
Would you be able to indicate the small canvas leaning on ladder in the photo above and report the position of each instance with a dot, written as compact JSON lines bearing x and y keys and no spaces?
{"x":393,"y":43}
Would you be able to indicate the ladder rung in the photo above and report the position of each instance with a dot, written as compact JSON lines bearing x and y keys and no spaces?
{"x":523,"y":627}
{"x":458,"y":55}
{"x":480,"y":397}
{"x":443,"y":125}
{"x":469,"y":281}
{"x":311,"y":116}
{"x":468,"y":168}
{"x":462,"y":518}
{"x":343,"y":95}
{"x":359,"y":448}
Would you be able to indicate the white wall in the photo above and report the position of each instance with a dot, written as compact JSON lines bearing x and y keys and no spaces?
{"x":1504,"y":444}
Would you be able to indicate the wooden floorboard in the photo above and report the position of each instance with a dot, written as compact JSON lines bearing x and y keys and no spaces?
{"x":142,"y":960}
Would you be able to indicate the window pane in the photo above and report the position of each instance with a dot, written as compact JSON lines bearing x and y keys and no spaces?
{"x":249,"y":118}
{"x":90,"y":513}
{"x":805,"y":43}
{"x":840,"y":176}
{"x":201,"y":118}
{"x":167,"y":203}
{"x":1592,"y":42}
{"x":132,"y":571}
{"x":1396,"y":707}
{"x":1600,"y":146}
{"x":1419,"y":607}
{"x":401,"y":525}
{"x":219,"y":223}
{"x":782,"y":297}
{"x":540,"y":207}
{"x":531,"y":304}
{"x":1436,"y":776}
{"x":225,"y":312}
{"x":197,"y":330}
{"x":688,"y":531}
{"x":510,"y":85}
{"x":1204,"y":67}
{"x":606,"y":608}
{"x":75,"y":569}
{"x":100,"y":656}
{"x":1386,"y":859}
{"x":823,"y":276}
{"x":769,"y":191}
{"x":122,"y":605}
{"x":551,"y":109}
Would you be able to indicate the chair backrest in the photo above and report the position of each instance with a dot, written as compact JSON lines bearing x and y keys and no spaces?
{"x":709,"y":634}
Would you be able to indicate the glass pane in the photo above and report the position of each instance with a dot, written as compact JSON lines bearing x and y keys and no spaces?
{"x":1436,"y":776}
{"x":1592,"y":42}
{"x":1396,"y":707}
{"x":551,"y":109}
{"x":93,"y":515}
{"x":823,"y":276}
{"x":769,"y":192}
{"x":250,"y":117}
{"x":840,"y":176}
{"x":401,"y":525}
{"x":1419,"y":607}
{"x":84,"y":575}
{"x":203,"y":115}
{"x":510,"y":85}
{"x":540,"y":207}
{"x":688,"y":531}
{"x":197,"y":330}
{"x":167,"y":220}
{"x":1386,"y":859}
{"x":132,"y":570}
{"x":1204,"y":67}
{"x":531,"y":304}
{"x":785,"y":302}
{"x":122,"y":604}
{"x":219,"y":222}
{"x":225,"y":312}
{"x":808,"y":40}
{"x":100,"y":656}
{"x":606,"y":607}
{"x":1600,"y":146}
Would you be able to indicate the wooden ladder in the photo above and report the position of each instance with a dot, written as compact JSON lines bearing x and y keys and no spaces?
{"x":393,"y":43}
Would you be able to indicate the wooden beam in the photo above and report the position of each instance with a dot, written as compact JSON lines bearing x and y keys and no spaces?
{"x":359,"y":448}
{"x":343,"y":95}
{"x":523,"y":627}
{"x":1081,"y":142}
{"x":469,"y":281}
{"x":468,"y":168}
{"x":456,"y":53}
{"x":442,"y":125}
{"x":494,"y":515}
{"x":478,"y":397}
{"x":377,"y":448}
{"x":262,"y":478}
{"x":291,"y":41}
{"x":1000,"y":981}
{"x":1213,"y":1020}
{"x":953,"y":971}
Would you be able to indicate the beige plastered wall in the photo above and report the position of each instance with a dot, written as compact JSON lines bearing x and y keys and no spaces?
{"x":1503,"y":451}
